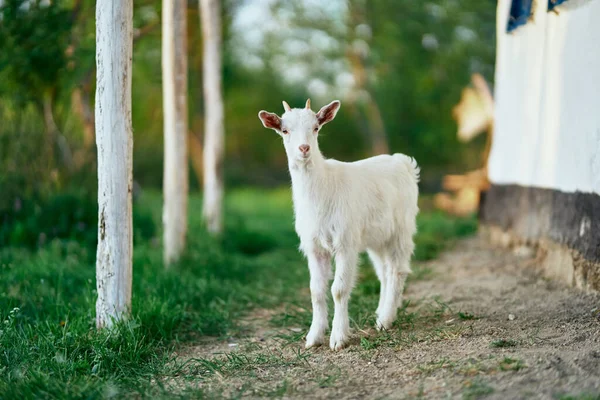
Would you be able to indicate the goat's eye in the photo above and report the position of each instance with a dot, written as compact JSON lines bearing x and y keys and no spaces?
{"x":316,"y":129}
{"x":285,"y":131}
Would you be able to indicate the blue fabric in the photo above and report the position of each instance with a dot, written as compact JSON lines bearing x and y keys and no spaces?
{"x":520,"y":11}
{"x":554,"y":3}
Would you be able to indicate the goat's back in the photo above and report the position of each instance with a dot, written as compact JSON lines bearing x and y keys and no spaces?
{"x":375,"y":198}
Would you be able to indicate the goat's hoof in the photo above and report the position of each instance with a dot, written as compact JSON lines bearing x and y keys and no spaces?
{"x":382,"y":325}
{"x":314,"y":340}
{"x":312,"y":343}
{"x":338,"y":341}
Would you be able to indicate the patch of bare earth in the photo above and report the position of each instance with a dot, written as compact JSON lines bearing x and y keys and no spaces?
{"x":482,"y":325}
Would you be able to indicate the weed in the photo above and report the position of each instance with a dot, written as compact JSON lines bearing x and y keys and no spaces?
{"x":472,"y":367}
{"x":504,"y":343}
{"x":465,"y":316}
{"x":511,"y":364}
{"x":433,"y":366}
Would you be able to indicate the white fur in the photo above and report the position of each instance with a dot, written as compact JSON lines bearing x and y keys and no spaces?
{"x":342,"y":209}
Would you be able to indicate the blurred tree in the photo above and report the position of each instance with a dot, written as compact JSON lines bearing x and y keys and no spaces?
{"x":34,"y":36}
{"x":82,"y":67}
{"x":175,"y":177}
{"x":114,"y":139}
{"x":361,"y":97}
{"x":415,"y":57}
{"x":214,"y":115}
{"x":398,"y":67}
{"x":47,"y":72}
{"x":424,"y":53}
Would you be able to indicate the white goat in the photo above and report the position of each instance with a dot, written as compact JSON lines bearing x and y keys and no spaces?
{"x":342,"y":209}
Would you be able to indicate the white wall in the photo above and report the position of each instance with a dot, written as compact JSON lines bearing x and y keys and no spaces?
{"x":547,"y":99}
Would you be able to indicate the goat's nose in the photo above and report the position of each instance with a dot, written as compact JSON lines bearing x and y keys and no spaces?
{"x":304,"y":148}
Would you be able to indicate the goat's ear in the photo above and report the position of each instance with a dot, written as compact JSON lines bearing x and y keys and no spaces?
{"x":327,"y":113}
{"x":270,"y":120}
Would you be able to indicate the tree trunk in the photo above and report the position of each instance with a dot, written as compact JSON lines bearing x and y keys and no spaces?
{"x":80,"y":100}
{"x":114,"y":140}
{"x":379,"y":143}
{"x":196,"y":156}
{"x":213,"y":102}
{"x":376,"y":127}
{"x":175,"y":176}
{"x":81,"y":106}
{"x":53,"y":136}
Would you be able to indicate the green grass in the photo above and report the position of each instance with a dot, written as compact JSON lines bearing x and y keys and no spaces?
{"x":49,"y":346}
{"x":581,"y":396}
{"x":437,"y":230}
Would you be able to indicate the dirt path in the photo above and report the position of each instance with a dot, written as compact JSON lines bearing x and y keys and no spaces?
{"x":481,"y":325}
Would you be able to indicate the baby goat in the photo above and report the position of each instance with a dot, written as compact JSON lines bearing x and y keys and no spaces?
{"x":342,"y":209}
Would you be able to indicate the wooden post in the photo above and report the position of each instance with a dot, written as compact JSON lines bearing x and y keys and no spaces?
{"x":210,"y":14}
{"x":175,"y":177}
{"x":114,"y":37}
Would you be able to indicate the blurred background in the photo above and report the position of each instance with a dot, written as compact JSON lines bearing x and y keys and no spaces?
{"x":397,"y":66}
{"x":399,"y":69}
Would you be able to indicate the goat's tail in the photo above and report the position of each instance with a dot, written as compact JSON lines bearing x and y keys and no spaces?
{"x":411,"y":165}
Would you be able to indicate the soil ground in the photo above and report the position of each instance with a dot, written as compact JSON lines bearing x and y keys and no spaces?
{"x":480,"y":323}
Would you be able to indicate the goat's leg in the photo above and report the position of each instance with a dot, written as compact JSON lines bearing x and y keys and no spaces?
{"x":398,"y":268}
{"x":319,"y":264}
{"x":380,"y":269}
{"x":345,"y":275}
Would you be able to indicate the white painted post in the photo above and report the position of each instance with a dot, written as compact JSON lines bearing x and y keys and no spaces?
{"x":175,"y":177}
{"x":114,"y":40}
{"x":210,"y":13}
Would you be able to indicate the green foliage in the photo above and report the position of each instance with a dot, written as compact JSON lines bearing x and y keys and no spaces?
{"x":34,"y":36}
{"x":35,"y":221}
{"x":24,"y":169}
{"x":48,"y":50}
{"x":416,"y":57}
{"x":424,"y":54}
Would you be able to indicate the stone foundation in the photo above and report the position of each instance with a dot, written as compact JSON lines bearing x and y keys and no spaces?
{"x":553,"y":260}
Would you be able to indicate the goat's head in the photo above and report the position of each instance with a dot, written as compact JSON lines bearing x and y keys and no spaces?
{"x":299,"y":128}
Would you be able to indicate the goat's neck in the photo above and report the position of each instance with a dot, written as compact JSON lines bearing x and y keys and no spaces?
{"x":308,"y":177}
